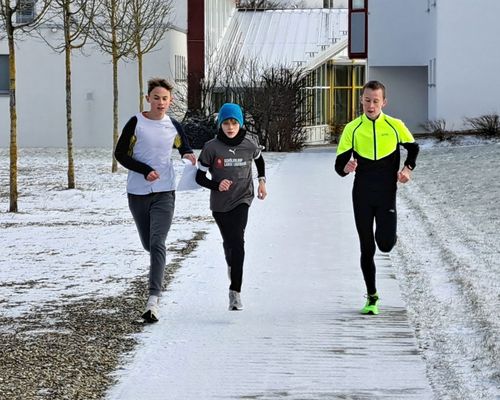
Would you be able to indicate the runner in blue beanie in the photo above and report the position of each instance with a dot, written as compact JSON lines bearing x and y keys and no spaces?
{"x":229,"y":158}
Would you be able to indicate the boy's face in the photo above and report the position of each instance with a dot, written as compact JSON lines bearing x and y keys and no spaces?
{"x":373,"y":101}
{"x":159,"y":99}
{"x":230,"y":127}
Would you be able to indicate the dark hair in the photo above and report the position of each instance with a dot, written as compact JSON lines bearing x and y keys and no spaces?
{"x":159,"y":82}
{"x":374,"y":85}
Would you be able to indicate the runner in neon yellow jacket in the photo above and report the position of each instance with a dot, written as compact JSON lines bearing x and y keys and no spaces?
{"x":369,"y":146}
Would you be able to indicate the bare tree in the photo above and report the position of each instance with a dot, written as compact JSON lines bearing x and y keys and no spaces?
{"x":112,"y":31}
{"x":17,"y":17}
{"x":259,"y":4}
{"x":274,"y":100}
{"x":199,"y":124}
{"x":75,"y":17}
{"x":286,"y":86}
{"x":149,"y":21}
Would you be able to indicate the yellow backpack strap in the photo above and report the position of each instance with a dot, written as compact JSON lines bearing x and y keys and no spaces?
{"x":131,"y":145}
{"x":177,"y":141}
{"x":133,"y":138}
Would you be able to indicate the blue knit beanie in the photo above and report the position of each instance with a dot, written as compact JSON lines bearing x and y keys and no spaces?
{"x":230,"y":110}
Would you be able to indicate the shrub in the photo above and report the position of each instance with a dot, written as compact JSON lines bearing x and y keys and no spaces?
{"x":486,"y":125}
{"x":336,"y":129}
{"x":199,"y":128}
{"x":272,"y":100}
{"x":438,"y":129}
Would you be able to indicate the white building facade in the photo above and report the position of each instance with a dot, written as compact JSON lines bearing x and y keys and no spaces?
{"x":439,"y":59}
{"x":40,"y":77}
{"x":313,"y":39}
{"x":40,"y":87}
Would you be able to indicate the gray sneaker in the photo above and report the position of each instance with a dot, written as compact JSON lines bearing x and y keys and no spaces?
{"x":151,"y":311}
{"x":234,"y":301}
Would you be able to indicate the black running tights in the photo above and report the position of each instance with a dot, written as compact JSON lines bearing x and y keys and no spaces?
{"x":370,"y":207}
{"x":232,"y":226}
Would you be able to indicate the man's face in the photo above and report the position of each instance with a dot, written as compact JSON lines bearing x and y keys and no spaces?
{"x":373,"y":101}
{"x":159,"y":99}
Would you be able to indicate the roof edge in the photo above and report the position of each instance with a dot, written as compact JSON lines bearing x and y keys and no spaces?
{"x":324,"y":56}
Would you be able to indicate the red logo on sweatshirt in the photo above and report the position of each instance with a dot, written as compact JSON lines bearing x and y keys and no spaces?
{"x":219,"y":162}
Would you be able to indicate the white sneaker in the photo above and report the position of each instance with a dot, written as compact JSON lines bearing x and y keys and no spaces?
{"x":151,"y":312}
{"x":235,"y":301}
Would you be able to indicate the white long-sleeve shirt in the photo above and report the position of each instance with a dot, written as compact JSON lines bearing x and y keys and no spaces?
{"x":146,"y":145}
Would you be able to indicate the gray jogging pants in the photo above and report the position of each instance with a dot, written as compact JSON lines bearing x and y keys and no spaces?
{"x":153,"y":214}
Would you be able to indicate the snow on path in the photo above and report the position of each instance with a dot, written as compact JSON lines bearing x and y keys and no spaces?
{"x":300,"y":335}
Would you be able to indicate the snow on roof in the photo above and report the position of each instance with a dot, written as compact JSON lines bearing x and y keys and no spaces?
{"x":290,"y":37}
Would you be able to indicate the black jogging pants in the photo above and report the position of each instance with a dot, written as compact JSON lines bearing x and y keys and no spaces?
{"x":232,"y":226}
{"x":371,"y":207}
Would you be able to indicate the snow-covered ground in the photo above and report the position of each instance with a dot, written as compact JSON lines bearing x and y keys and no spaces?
{"x":73,"y":272}
{"x":68,"y":245}
{"x":72,"y":244}
{"x":448,"y":259}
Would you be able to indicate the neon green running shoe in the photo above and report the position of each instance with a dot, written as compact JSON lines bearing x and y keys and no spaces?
{"x":371,"y":306}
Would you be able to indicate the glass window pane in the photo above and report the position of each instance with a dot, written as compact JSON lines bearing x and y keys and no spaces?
{"x":342,"y":106}
{"x":342,"y":75}
{"x":4,"y":73}
{"x":359,"y":75}
{"x":325,"y":101}
{"x":358,"y":4}
{"x":25,"y":11}
{"x":357,"y":32}
{"x":357,"y":103}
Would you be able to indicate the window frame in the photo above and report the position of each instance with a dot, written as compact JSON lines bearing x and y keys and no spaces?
{"x":4,"y":74}
{"x":25,"y":12}
{"x":358,"y":29}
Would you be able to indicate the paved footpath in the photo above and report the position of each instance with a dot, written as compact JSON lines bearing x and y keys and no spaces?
{"x":300,"y":335}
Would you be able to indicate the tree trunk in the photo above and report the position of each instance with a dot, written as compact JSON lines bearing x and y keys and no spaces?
{"x":13,"y":122}
{"x":114,"y":166}
{"x":141,"y":80}
{"x":69,"y":121}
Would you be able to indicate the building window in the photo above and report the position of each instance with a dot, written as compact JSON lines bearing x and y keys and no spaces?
{"x":431,"y":70}
{"x":347,"y":83}
{"x":358,"y":29}
{"x":358,"y":4}
{"x":25,"y":12}
{"x":332,"y":94}
{"x":4,"y":74}
{"x":180,"y":71}
{"x":335,"y":3}
{"x":220,"y":96}
{"x":317,"y":97}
